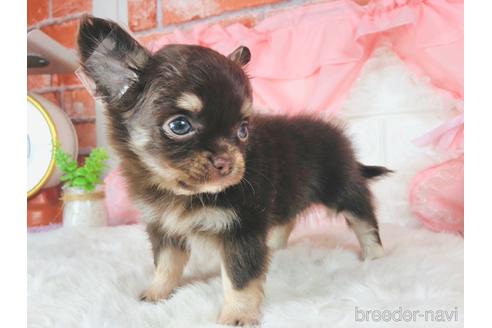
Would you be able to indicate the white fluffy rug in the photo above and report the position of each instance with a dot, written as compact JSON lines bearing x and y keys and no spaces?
{"x":92,"y":278}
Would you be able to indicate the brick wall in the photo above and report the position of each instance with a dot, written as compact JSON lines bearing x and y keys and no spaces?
{"x":151,"y":19}
{"x":59,"y":19}
{"x":148,"y":20}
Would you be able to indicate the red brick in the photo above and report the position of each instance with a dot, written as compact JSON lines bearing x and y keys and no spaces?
{"x":152,"y":41}
{"x":37,"y":11}
{"x":142,"y":14}
{"x":40,"y":81}
{"x":148,"y":40}
{"x":86,"y":133}
{"x":79,"y":104}
{"x":178,"y":11}
{"x":53,"y":96}
{"x":65,"y":33}
{"x":61,"y":8}
{"x":248,"y":21}
{"x":58,"y":80}
{"x":227,"y":5}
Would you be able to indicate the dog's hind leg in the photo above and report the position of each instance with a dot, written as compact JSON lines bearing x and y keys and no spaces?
{"x":359,"y":212}
{"x":367,"y":232}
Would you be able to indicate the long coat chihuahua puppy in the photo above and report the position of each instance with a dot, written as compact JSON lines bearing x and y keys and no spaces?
{"x":200,"y":164}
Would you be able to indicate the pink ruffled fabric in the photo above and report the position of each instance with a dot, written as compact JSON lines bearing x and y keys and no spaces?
{"x":437,"y":196}
{"x":118,"y":204}
{"x":307,"y":59}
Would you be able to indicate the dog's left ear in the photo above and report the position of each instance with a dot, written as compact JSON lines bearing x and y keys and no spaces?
{"x":110,"y":57}
{"x":240,"y":56}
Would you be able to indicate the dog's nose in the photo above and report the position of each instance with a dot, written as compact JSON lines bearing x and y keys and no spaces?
{"x":223,"y":164}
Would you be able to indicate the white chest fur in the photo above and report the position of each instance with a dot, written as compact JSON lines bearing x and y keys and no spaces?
{"x":206,"y":219}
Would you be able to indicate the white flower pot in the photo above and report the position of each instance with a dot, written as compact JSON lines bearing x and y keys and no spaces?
{"x":84,"y":208}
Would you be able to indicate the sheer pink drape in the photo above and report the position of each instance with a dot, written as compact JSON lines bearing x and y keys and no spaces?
{"x":306,"y":59}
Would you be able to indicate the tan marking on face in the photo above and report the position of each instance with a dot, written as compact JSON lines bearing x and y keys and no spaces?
{"x":164,"y":174}
{"x":139,"y":138}
{"x":189,"y":101}
{"x":191,"y":176}
{"x":167,"y":275}
{"x":241,"y":306}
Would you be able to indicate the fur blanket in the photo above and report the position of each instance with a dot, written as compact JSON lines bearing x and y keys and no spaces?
{"x":92,"y":278}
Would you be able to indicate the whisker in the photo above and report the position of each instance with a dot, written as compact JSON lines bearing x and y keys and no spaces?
{"x":249,"y":183}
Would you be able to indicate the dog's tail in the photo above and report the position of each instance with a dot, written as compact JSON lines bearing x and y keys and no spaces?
{"x":371,"y":172}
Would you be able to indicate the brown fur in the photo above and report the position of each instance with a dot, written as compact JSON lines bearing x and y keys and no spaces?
{"x":199,"y":173}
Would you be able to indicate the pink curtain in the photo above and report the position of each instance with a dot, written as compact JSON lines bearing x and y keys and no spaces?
{"x":306,"y":60}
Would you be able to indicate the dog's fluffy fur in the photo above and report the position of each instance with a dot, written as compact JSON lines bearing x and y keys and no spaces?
{"x":237,"y":179}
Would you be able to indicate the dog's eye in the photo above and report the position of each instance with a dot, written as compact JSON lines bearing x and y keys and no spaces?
{"x":178,"y":126}
{"x":242,"y":132}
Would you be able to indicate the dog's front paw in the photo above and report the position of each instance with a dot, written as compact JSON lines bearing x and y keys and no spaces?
{"x":239,"y":318}
{"x":154,"y":294}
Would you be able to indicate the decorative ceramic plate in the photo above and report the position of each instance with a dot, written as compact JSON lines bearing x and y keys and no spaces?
{"x":46,"y":123}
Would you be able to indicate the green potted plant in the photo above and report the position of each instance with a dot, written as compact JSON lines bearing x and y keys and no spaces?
{"x":83,"y":194}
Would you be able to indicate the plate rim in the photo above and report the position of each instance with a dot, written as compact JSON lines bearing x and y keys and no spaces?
{"x":54,"y":137}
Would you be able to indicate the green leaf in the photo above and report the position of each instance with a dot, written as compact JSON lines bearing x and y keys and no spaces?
{"x":87,"y":176}
{"x":81,"y":171}
{"x":92,"y":177}
{"x":79,"y":181}
{"x":65,"y":177}
{"x":90,"y":187}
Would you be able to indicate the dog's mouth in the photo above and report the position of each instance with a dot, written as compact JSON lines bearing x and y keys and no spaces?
{"x":204,"y":173}
{"x":191,"y":186}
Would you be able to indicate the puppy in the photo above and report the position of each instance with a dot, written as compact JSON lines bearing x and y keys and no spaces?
{"x":200,"y":164}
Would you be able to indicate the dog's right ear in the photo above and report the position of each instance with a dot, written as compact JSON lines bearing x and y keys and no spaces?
{"x":110,"y":57}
